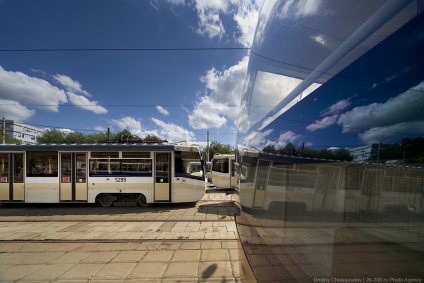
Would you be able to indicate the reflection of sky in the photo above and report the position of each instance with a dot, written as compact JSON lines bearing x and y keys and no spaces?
{"x":378,"y":98}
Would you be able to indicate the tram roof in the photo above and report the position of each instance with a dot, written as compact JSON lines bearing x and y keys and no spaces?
{"x":87,"y":147}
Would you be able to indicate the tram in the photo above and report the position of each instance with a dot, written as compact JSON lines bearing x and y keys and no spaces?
{"x":224,"y":171}
{"x":297,"y":184}
{"x":101,"y":173}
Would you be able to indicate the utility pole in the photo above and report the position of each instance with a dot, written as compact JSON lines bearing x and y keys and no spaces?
{"x":207,"y":146}
{"x":108,"y":134}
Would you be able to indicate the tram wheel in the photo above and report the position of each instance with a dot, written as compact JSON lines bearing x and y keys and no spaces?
{"x":105,"y":200}
{"x":142,"y":200}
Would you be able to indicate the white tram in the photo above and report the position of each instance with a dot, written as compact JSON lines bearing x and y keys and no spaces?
{"x":275,"y":182}
{"x":223,"y":171}
{"x":103,"y":173}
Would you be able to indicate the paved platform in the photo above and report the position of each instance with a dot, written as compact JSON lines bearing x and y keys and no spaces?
{"x":86,"y":243}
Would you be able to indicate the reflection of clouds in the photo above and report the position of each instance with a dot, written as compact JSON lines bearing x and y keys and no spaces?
{"x":378,"y":122}
{"x":406,"y":107}
{"x":294,"y":9}
{"x":287,"y":137}
{"x":381,"y":134}
{"x":323,"y":123}
{"x":257,"y":139}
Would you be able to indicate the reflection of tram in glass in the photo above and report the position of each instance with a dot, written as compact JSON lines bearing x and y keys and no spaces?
{"x":304,"y":184}
{"x":332,"y":74}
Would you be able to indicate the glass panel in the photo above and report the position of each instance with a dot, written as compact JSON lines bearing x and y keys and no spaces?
{"x":132,"y":154}
{"x":162,"y":165}
{"x":65,"y":168}
{"x":4,"y":168}
{"x":81,"y":168}
{"x":188,"y":165}
{"x":18,"y":168}
{"x":103,"y":154}
{"x":42,"y":164}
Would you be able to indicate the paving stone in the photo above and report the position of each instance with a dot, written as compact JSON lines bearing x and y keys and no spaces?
{"x":41,"y":258}
{"x":186,"y":255}
{"x":146,"y":270}
{"x":99,"y":257}
{"x":72,"y":257}
{"x":48,"y":272}
{"x":209,"y":270}
{"x":129,"y":256}
{"x":17,"y":272}
{"x":182,"y":269}
{"x":114,"y":271}
{"x":158,"y":256}
{"x":82,"y":271}
{"x":214,"y":255}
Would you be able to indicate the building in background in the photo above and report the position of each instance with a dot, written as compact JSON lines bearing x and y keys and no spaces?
{"x":25,"y":133}
{"x":366,"y":152}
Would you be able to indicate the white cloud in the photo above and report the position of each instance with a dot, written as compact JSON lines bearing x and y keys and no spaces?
{"x":244,"y":14}
{"x":257,"y":140}
{"x":23,"y":89}
{"x":162,"y":110}
{"x":70,"y":85}
{"x":100,"y":128}
{"x":174,"y":133}
{"x":383,"y":121}
{"x":337,"y":108}
{"x":382,"y":134}
{"x":222,"y":99}
{"x":323,"y":123}
{"x":83,"y":103}
{"x":287,"y":137}
{"x":246,"y":17}
{"x":130,"y":124}
{"x":12,"y":110}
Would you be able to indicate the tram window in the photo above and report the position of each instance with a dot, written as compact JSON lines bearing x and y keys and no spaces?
{"x":104,"y":154}
{"x":65,"y":168}
{"x":131,"y":154}
{"x":121,"y":167}
{"x":81,"y":175}
{"x":221,"y":166}
{"x":187,"y":164}
{"x":4,"y":168}
{"x":42,"y":164}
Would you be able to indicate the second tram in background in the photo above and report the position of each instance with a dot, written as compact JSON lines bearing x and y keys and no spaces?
{"x":224,"y":171}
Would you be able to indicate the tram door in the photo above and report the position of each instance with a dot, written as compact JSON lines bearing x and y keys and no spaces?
{"x":162,"y":177}
{"x":371,"y":189}
{"x":261,"y":183}
{"x":12,"y":177}
{"x":326,"y":188}
{"x":73,"y":177}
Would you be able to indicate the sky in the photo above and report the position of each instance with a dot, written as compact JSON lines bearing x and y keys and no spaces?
{"x":171,"y":68}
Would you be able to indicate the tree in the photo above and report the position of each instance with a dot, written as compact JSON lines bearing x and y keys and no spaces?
{"x":52,"y":136}
{"x":10,"y":140}
{"x":217,"y":147}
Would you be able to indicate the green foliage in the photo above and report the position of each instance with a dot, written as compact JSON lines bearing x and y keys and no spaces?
{"x":52,"y":136}
{"x":57,"y":136}
{"x":408,"y":151}
{"x":217,"y":147}
{"x":9,"y":139}
{"x":291,"y":150}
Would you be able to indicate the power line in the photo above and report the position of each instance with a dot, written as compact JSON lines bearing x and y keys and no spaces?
{"x":124,"y":49}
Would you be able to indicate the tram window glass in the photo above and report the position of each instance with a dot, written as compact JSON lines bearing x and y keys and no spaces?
{"x":221,"y":165}
{"x":18,"y":168}
{"x":132,"y":154}
{"x":353,"y":178}
{"x":136,"y":167}
{"x":81,"y":175}
{"x":104,"y":154}
{"x":65,"y":168}
{"x":188,"y":164}
{"x":121,"y":167}
{"x":4,"y":167}
{"x":249,"y":165}
{"x":42,"y":164}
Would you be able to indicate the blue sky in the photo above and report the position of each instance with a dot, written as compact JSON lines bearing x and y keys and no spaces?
{"x":175,"y":94}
